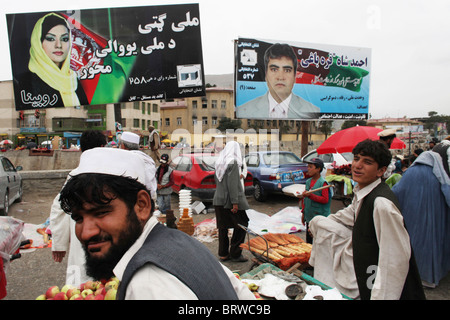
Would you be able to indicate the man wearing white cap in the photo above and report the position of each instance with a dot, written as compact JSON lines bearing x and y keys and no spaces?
{"x":387,"y":137}
{"x":113,"y":212}
{"x":130,"y":141}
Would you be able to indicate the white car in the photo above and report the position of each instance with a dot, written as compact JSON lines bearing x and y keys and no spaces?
{"x":10,"y":185}
{"x":338,"y":159}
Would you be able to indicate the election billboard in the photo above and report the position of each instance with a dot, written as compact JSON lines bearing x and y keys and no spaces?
{"x":293,"y":80}
{"x":111,"y":55}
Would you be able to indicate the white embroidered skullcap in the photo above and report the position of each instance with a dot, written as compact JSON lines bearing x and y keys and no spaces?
{"x":130,"y":137}
{"x":112,"y":161}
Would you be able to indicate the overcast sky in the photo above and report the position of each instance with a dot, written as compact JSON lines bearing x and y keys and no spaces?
{"x":410,"y":40}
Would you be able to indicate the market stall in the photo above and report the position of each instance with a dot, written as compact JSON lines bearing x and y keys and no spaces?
{"x":270,"y":282}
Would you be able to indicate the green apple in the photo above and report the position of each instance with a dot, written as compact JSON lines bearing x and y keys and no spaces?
{"x":41,"y":297}
{"x":111,"y":294}
{"x":111,"y":285}
{"x":76,"y":296}
{"x":66,"y":288}
{"x":86,"y":292}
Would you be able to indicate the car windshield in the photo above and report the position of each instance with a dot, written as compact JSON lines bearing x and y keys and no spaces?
{"x":273,"y":159}
{"x":348,"y":156}
{"x":206,"y":162}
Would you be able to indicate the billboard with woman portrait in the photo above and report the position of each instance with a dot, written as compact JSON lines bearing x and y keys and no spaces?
{"x":100,"y":56}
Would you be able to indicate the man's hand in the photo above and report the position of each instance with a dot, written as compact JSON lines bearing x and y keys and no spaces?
{"x":58,"y":255}
{"x":235,"y":208}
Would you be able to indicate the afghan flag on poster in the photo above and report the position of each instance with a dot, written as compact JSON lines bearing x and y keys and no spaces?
{"x":99,"y":87}
{"x":318,"y":67}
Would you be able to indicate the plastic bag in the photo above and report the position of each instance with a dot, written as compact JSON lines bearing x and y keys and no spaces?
{"x":10,"y":237}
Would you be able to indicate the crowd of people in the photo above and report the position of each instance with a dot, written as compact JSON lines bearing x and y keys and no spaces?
{"x":385,"y":245}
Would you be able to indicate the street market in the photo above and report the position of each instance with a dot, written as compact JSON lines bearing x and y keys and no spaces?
{"x":278,"y":216}
{"x":129,"y":172}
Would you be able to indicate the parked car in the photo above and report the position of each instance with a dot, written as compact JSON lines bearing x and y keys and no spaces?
{"x":272,"y":171}
{"x":338,"y":159}
{"x":10,"y":185}
{"x":195,"y":172}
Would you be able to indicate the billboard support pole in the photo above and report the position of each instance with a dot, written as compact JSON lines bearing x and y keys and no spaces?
{"x":304,"y":144}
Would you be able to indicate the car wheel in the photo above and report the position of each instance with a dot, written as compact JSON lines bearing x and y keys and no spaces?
{"x":259,"y":194}
{"x":5,"y":204}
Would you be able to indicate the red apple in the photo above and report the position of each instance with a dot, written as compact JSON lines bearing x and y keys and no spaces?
{"x":89,"y":297}
{"x":90,"y":285}
{"x":99,"y":297}
{"x":100,"y":291}
{"x":51,"y":292}
{"x":60,"y":296}
{"x":72,"y":291}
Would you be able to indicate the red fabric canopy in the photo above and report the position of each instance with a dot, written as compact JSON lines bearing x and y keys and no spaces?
{"x":345,"y":140}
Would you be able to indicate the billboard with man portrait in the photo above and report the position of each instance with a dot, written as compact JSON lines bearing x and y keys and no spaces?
{"x":100,"y":56}
{"x":290,"y":80}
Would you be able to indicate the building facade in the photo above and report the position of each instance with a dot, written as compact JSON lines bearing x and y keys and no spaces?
{"x":68,"y":123}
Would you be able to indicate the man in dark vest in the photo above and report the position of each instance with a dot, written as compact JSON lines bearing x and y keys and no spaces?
{"x":443,"y":148}
{"x":378,"y":244}
{"x":112,"y":208}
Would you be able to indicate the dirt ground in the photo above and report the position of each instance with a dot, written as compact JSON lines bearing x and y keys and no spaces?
{"x":30,"y":275}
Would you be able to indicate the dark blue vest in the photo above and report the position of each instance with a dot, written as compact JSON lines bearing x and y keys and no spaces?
{"x":366,"y":249}
{"x":185,"y":258}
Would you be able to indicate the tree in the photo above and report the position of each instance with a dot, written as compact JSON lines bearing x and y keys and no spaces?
{"x":325,"y":127}
{"x":353,"y":123}
{"x":227,"y":123}
{"x":434,"y":119}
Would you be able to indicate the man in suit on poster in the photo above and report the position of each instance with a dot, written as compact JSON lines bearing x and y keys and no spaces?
{"x":279,"y":102}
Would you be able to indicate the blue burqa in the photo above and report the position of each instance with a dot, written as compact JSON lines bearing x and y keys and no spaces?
{"x":424,"y":196}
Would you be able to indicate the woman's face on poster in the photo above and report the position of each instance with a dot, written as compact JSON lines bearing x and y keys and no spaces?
{"x":56,"y":44}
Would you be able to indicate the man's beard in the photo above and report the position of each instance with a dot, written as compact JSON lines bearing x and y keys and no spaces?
{"x":102,"y":268}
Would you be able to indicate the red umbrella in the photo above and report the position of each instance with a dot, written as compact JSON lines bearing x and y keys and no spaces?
{"x":345,"y":140}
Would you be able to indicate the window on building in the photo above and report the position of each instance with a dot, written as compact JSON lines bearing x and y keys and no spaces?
{"x":204,"y":103}
{"x":223,"y":104}
{"x":214,"y":121}
{"x":194,"y":120}
{"x":136,"y":105}
{"x":214,"y":104}
{"x":143,"y":124}
{"x":194,"y":104}
{"x":204,"y":120}
{"x":155,"y":107}
{"x":136,"y":123}
{"x":167,"y":122}
{"x":179,"y":121}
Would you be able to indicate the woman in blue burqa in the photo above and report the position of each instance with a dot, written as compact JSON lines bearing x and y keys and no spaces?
{"x":424,"y":195}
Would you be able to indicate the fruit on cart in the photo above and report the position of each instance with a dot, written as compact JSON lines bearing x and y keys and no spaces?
{"x":252,"y":286}
{"x":89,"y":290}
{"x":72,"y":291}
{"x":51,"y":292}
{"x":60,"y":296}
{"x":111,"y":294}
